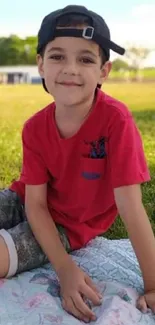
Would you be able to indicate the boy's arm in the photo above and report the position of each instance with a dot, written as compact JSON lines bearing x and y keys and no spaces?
{"x":42,"y":225}
{"x":74,"y":282}
{"x":129,"y":203}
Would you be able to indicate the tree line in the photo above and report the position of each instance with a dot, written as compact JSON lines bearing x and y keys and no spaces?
{"x":17,"y":51}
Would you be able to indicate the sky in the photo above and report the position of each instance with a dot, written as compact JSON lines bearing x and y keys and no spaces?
{"x":131,"y":22}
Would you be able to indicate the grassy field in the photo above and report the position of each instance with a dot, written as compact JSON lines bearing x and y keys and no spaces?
{"x":145,"y":74}
{"x":17,"y":103}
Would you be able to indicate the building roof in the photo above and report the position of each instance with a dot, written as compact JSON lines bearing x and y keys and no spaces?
{"x":32,"y":70}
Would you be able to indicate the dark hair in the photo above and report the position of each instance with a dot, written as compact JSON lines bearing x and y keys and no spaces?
{"x":74,"y":20}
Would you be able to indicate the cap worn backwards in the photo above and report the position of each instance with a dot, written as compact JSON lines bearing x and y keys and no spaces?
{"x":98,"y":31}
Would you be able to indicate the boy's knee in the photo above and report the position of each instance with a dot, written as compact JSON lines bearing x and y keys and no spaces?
{"x":4,"y":258}
{"x":8,"y":255}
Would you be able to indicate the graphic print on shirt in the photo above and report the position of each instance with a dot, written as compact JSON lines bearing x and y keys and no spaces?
{"x":96,"y":151}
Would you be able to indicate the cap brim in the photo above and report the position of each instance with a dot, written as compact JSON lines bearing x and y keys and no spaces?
{"x":116,"y":48}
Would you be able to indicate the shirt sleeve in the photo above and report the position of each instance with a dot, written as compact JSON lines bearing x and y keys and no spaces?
{"x":127,"y":160}
{"x":34,"y":171}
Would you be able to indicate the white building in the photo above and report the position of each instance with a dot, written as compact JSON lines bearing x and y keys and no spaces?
{"x":19,"y":74}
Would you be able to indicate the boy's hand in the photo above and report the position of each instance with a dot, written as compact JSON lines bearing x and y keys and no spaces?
{"x":76,"y":285}
{"x":147,"y":301}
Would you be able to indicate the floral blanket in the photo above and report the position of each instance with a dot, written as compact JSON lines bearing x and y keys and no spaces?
{"x":32,"y":298}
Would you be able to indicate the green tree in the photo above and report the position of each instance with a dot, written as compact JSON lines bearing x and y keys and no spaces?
{"x":15,"y":51}
{"x":119,"y":64}
{"x":30,"y":44}
{"x":10,"y":50}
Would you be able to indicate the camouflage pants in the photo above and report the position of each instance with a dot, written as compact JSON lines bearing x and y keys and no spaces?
{"x":24,"y":251}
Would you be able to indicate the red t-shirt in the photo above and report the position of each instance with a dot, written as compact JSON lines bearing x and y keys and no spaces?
{"x":82,"y":171}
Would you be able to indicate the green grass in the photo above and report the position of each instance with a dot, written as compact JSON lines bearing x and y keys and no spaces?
{"x":17,"y":103}
{"x":145,"y":74}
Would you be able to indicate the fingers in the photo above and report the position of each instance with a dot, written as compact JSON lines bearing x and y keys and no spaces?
{"x":141,"y":304}
{"x":90,"y":294}
{"x":71,"y":308}
{"x":150,"y":300}
{"x":83,"y":308}
{"x":93,"y":287}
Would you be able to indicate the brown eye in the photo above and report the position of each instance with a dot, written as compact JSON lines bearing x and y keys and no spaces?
{"x":86,"y":60}
{"x":57,"y":57}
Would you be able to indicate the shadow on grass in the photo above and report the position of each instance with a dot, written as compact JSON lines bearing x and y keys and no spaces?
{"x":147,"y":114}
{"x":145,"y":120}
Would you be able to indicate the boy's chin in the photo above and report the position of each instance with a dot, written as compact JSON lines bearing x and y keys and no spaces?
{"x":69,"y":101}
{"x":69,"y":98}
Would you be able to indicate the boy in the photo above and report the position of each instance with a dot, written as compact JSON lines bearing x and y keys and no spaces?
{"x":83,"y":163}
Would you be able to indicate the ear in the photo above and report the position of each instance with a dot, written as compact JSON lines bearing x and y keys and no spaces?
{"x":40,"y":64}
{"x":105,"y":70}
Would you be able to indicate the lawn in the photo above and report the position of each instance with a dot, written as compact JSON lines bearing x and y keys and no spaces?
{"x":17,"y":103}
{"x":145,"y":74}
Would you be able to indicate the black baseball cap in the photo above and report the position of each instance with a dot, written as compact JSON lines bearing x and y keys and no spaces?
{"x":98,"y":31}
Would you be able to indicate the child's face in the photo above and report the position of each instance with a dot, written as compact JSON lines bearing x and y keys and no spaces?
{"x":72,"y":68}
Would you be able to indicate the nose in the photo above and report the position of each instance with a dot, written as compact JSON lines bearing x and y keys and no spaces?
{"x":71,"y":67}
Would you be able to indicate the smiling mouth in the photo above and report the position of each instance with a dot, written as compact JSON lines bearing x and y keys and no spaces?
{"x":69,"y":84}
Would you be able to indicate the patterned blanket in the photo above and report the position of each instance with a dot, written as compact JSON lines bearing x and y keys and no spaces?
{"x":32,"y":298}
